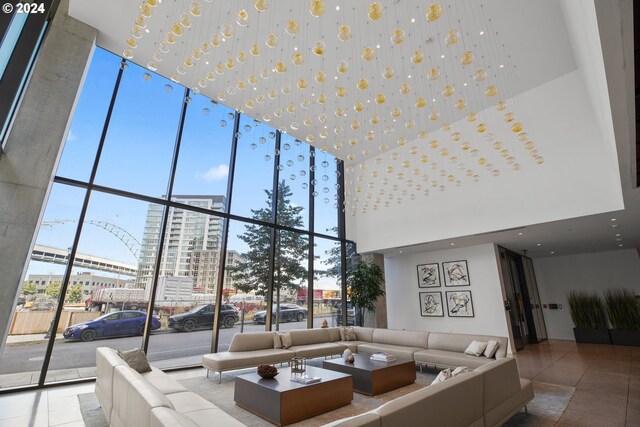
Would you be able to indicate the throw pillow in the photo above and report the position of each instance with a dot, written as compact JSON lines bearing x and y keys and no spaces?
{"x":476,"y":348}
{"x":342,"y":337}
{"x":444,"y":375}
{"x":286,"y":339}
{"x":350,"y":334}
{"x":459,"y":370}
{"x":492,"y":347}
{"x":136,"y":359}
{"x":277,"y":342}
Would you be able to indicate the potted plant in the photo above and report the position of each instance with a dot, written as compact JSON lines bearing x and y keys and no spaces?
{"x":364,"y":285}
{"x":587,"y":313}
{"x":624,"y":315}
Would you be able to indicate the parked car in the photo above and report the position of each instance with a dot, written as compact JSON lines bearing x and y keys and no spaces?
{"x":202,"y":316}
{"x":125,"y":323}
{"x":288,"y":313}
{"x":351,"y":314}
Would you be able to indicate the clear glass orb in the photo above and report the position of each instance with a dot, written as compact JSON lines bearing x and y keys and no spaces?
{"x":504,"y":153}
{"x":374,"y":120}
{"x":456,"y":136}
{"x":402,"y":141}
{"x":342,"y":67}
{"x":396,"y":112}
{"x":242,"y":18}
{"x":465,"y":146}
{"x":195,"y":8}
{"x":321,"y":77}
{"x":471,"y":117}
{"x":127,"y":53}
{"x":497,"y":145}
{"x":387,"y":73}
{"x":501,"y":105}
{"x":152,"y":66}
{"x":508,"y":117}
{"x":374,"y":12}
{"x":417,"y":57}
{"x":444,"y":152}
{"x":409,"y":124}
{"x":344,"y":33}
{"x":424,"y":159}
{"x":255,"y":50}
{"x":529,"y":145}
{"x":319,"y":48}
{"x":226,"y":30}
{"x":223,"y":123}
{"x":434,"y":115}
{"x":229,"y":63}
{"x":434,"y":12}
{"x":271,"y":40}
{"x":355,"y":125}
{"x":140,"y":22}
{"x":370,"y":136}
{"x":368,"y":54}
{"x":452,"y":37}
{"x":480,"y":75}
{"x":261,"y":5}
{"x":423,"y":134}
{"x":466,"y":58}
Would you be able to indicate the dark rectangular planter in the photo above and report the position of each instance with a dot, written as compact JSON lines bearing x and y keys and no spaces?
{"x":593,"y":336}
{"x":619,"y":337}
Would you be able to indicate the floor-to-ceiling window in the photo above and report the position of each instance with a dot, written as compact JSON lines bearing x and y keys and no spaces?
{"x":169,"y":210}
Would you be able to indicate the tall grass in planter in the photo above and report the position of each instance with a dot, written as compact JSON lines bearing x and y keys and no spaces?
{"x":588,"y":315}
{"x":624,"y":315}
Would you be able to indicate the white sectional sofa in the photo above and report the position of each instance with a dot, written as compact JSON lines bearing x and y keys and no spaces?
{"x":150,"y":399}
{"x":426,"y":348}
{"x":486,"y":397}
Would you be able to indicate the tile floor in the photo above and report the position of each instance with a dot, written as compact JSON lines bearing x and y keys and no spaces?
{"x":606,"y":381}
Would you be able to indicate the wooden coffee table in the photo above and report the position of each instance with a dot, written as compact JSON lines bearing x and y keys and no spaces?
{"x":282,"y":401}
{"x":372,"y":377}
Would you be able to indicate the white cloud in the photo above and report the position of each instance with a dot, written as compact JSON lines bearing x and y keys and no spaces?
{"x":216,"y":173}
{"x":72,"y":136}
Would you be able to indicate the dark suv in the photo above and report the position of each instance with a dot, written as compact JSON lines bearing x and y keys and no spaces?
{"x":202,"y":316}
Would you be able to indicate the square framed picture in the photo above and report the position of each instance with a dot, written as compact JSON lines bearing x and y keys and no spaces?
{"x":428,"y":276}
{"x":431,"y":304}
{"x":456,"y":273}
{"x":459,"y":304}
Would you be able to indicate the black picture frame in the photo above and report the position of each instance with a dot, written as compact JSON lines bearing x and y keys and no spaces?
{"x":426,"y":276}
{"x":456,"y":273}
{"x":431,"y":304}
{"x":459,"y":304}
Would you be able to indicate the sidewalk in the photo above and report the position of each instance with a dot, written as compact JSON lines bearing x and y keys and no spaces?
{"x":19,"y":339}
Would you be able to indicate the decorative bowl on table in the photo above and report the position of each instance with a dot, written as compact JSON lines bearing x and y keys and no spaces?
{"x":267,"y":371}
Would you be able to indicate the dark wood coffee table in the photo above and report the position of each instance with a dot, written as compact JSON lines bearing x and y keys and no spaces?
{"x":372,"y":377}
{"x":282,"y":401}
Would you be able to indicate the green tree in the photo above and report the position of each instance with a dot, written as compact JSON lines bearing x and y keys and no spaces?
{"x":333,"y":259}
{"x":291,"y":249}
{"x":74,"y":294}
{"x":53,"y":289}
{"x":364,"y":286}
{"x":29,"y":288}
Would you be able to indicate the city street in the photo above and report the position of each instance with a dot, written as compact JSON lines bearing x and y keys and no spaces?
{"x":27,"y":357}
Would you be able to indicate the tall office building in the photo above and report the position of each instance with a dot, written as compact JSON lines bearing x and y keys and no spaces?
{"x":192,"y":242}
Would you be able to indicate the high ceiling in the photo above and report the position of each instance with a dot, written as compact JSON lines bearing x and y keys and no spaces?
{"x":425,"y":169}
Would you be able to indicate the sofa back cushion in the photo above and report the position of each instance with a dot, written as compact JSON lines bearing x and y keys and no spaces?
{"x":134,"y":397}
{"x":460,"y":342}
{"x":501,"y":380}
{"x":250,"y":341}
{"x":166,"y":417}
{"x":364,"y":334}
{"x":455,"y":402}
{"x":309,"y":336}
{"x":334,"y":334}
{"x":400,"y":337}
{"x":106,"y":360}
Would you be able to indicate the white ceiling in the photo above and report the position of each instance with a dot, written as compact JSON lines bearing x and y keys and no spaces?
{"x":555,"y":56}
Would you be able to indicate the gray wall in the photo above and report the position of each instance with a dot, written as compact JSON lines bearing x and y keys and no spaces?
{"x":33,"y":148}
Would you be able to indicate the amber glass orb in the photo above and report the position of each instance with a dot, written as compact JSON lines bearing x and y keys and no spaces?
{"x":363,"y":84}
{"x":508,"y":117}
{"x":280,"y":67}
{"x":297,"y":59}
{"x":529,"y":145}
{"x":417,"y":57}
{"x":452,"y":37}
{"x":456,"y":136}
{"x":433,"y":73}
{"x":316,"y":8}
{"x":302,"y":84}
{"x":460,"y":104}
{"x":481,"y":127}
{"x":434,"y":12}
{"x":517,"y":127}
{"x":380,"y":99}
{"x":471,"y":117}
{"x":242,"y":18}
{"x":342,"y":67}
{"x":341,"y":92}
{"x":405,"y":88}
{"x":271,"y":41}
{"x":292,"y":27}
{"x":322,"y":98}
{"x":434,"y":115}
{"x":387,"y":73}
{"x":421,"y":102}
{"x":226,"y":30}
{"x":395,"y":112}
{"x":397,"y":36}
{"x":448,"y":90}
{"x":501,"y":105}
{"x":466,"y":58}
{"x":368,"y":54}
{"x":241,"y":57}
{"x":344,"y":33}
{"x":261,"y":5}
{"x":491,"y":90}
{"x":434,"y":144}
{"x":319,"y":48}
{"x":375,"y":11}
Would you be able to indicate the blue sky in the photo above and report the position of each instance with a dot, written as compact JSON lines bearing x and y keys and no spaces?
{"x":137,"y":157}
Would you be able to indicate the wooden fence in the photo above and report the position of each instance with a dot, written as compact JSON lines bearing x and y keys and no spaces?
{"x":37,"y":322}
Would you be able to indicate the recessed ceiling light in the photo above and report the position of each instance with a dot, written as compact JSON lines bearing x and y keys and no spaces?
{"x":413,"y":20}
{"x":464,"y":84}
{"x":434,"y":100}
{"x":206,"y":62}
{"x":620,"y":244}
{"x":335,"y":78}
{"x":146,"y":30}
{"x":295,"y":48}
{"x":552,"y":252}
{"x":539,"y":244}
{"x":400,"y":251}
{"x":224,"y":39}
{"x":453,"y":244}
{"x":409,"y":76}
{"x":501,"y":65}
{"x":377,"y":46}
{"x":482,"y":33}
{"x":613,"y":219}
{"x":368,"y":101}
{"x":618,"y":235}
{"x":442,"y":56}
{"x":520,"y":234}
{"x":255,"y":88}
{"x":337,"y":7}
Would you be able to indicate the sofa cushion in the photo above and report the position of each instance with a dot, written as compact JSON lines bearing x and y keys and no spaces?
{"x":476,"y":348}
{"x":106,"y":360}
{"x":501,"y":380}
{"x":400,"y":337}
{"x":163,"y":382}
{"x":396,"y":350}
{"x":449,"y":359}
{"x":227,"y":360}
{"x":334,"y":334}
{"x":455,"y":402}
{"x":285,"y":339}
{"x":309,"y":336}
{"x":204,"y":417}
{"x":251,"y":341}
{"x":364,"y":334}
{"x":511,"y":405}
{"x":318,"y":350}
{"x":166,"y":417}
{"x":277,"y":341}
{"x":188,"y":401}
{"x":136,"y":359}
{"x":459,"y":342}
{"x":348,"y":334}
{"x":352,"y":345}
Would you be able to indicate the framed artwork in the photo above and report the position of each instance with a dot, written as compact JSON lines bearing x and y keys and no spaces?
{"x":459,"y":304}
{"x":456,"y":273}
{"x":428,"y":276}
{"x":431,"y":304}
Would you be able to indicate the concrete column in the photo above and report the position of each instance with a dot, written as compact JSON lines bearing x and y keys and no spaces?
{"x":34,"y":146}
{"x":379,"y":318}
